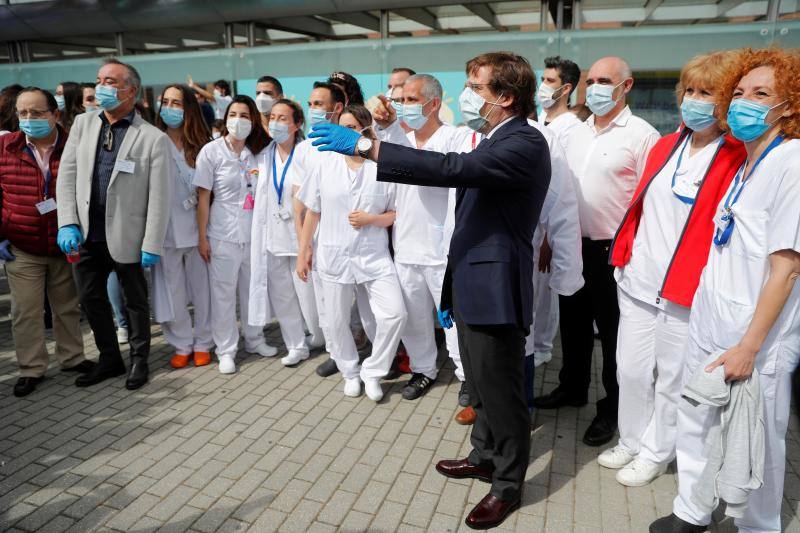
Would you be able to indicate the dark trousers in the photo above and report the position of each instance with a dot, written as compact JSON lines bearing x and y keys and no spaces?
{"x":494,"y":368}
{"x":595,"y":302}
{"x":91,"y":276}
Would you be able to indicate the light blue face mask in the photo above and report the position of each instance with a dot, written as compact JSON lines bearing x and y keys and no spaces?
{"x":413,"y":116}
{"x":278,"y":131}
{"x":398,"y":108}
{"x":318,"y":116}
{"x":696,"y":114}
{"x":172,"y":116}
{"x":600,"y":99}
{"x":35,"y":128}
{"x":747,"y":119}
{"x":61,"y":102}
{"x":106,"y":97}
{"x":470,"y":104}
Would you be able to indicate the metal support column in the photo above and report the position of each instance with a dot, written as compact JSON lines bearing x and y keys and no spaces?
{"x":576,"y":14}
{"x":251,"y":34}
{"x":229,"y":35}
{"x":119,"y":43}
{"x":543,"y":11}
{"x":560,"y":15}
{"x":384,"y":22}
{"x":773,"y":10}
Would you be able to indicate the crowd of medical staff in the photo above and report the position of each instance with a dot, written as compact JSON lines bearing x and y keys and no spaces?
{"x":679,"y":252}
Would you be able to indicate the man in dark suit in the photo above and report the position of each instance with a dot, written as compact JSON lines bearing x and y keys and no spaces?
{"x":488,"y":285}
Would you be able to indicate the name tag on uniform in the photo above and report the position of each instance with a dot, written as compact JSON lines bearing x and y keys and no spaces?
{"x":46,"y":206}
{"x":125,"y":165}
{"x":190,"y":202}
{"x":686,"y":189}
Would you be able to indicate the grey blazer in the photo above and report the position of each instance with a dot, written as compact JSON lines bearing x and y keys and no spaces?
{"x":137,"y":206}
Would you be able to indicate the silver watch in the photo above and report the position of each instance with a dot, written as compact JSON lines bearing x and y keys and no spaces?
{"x":363,"y":147}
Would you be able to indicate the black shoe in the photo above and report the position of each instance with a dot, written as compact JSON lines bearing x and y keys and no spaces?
{"x":328,"y":368}
{"x":600,"y":431}
{"x":463,"y":395}
{"x":137,"y":377}
{"x":416,"y":386}
{"x":673,"y":524}
{"x":84,"y":367}
{"x":99,"y":374}
{"x":394,"y":370}
{"x":559,"y":398}
{"x":26,"y":385}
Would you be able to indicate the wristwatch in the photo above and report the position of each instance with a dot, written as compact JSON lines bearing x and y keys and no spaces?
{"x":364,"y":147}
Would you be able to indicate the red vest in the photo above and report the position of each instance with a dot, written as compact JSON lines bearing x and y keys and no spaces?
{"x":21,"y":188}
{"x":691,"y":253}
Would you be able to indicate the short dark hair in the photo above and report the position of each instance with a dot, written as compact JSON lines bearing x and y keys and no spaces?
{"x":8,"y":111}
{"x":350,"y":85}
{"x":52,"y":105}
{"x":88,"y":85}
{"x":337,"y":95}
{"x":512,"y":75}
{"x":224,"y":85}
{"x":567,"y":70}
{"x":403,"y":69}
{"x":273,"y":80}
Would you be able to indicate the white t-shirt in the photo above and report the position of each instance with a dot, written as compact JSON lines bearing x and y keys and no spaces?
{"x":220,"y":104}
{"x":766,"y":220}
{"x":607,"y":166}
{"x":663,"y":218}
{"x":230,"y":178}
{"x":346,"y":254}
{"x":182,"y":226}
{"x":562,"y":125}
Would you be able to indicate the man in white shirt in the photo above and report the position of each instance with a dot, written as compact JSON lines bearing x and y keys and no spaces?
{"x":559,"y":81}
{"x":397,"y":78}
{"x":268,"y":91}
{"x":607,"y":155}
{"x":219,"y":99}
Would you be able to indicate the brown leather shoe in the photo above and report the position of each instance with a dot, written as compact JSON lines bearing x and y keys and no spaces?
{"x":461,"y":468}
{"x":466,"y":417}
{"x":490,"y":512}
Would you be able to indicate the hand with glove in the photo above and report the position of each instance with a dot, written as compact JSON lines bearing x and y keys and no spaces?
{"x":334,"y":138}
{"x":69,"y":238}
{"x":5,"y":253}
{"x":149,"y":259}
{"x":445,"y":318}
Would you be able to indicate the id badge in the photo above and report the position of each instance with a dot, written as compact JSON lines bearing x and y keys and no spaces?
{"x":685,"y":189}
{"x":284,"y":214}
{"x":190,"y":202}
{"x":249,"y":203}
{"x":46,"y":206}
{"x":723,"y":218}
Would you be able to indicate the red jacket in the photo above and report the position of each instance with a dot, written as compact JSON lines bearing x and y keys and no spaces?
{"x":691,"y":253}
{"x":21,"y":188}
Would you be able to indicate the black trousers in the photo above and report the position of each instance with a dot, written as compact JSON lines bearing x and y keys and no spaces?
{"x":91,"y":276}
{"x":595,"y":302}
{"x":494,"y":368}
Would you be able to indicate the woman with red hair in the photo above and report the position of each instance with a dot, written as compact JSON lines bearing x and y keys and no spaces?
{"x":744,"y":329}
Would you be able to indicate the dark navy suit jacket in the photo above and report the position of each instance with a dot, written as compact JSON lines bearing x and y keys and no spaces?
{"x":501,"y":187}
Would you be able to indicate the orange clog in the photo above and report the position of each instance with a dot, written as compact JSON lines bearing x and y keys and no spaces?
{"x":179,"y":360}
{"x":202,"y":358}
{"x":466,"y":416}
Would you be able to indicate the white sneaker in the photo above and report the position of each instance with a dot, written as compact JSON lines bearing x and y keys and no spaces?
{"x":294,"y":357}
{"x":640,"y":472}
{"x":122,"y":335}
{"x":373,"y":389}
{"x":265,"y":350}
{"x":315,"y":341}
{"x":352,"y":387}
{"x":615,"y":458}
{"x":226,"y":364}
{"x":540,"y":358}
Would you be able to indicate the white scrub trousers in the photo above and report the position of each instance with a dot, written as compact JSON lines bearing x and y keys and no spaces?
{"x":422,"y":293}
{"x":186,"y":277}
{"x":230,"y":274}
{"x":545,"y":323}
{"x":386,"y":303}
{"x":763,"y":513}
{"x":650,"y":363}
{"x":308,"y":301}
{"x":283,"y":299}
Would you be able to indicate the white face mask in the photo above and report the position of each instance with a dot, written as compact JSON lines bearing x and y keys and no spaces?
{"x":264,"y":103}
{"x":217,"y":93}
{"x":545,"y":95}
{"x":239,"y":128}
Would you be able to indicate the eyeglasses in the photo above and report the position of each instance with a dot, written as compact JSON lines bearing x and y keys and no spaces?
{"x":108,"y":142}
{"x":33,"y":113}
{"x":477,"y":86}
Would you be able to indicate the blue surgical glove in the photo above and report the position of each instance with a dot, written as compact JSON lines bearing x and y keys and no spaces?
{"x":69,"y":238}
{"x":5,"y":253}
{"x":149,"y":259}
{"x":445,"y":318}
{"x":334,"y":138}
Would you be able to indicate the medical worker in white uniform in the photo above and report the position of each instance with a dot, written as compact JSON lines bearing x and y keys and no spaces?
{"x":353,"y":210}
{"x":182,"y":276}
{"x":274,"y":239}
{"x":228,"y":167}
{"x":748,"y":301}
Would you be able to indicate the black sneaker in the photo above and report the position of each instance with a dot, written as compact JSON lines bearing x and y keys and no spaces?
{"x":328,"y":368}
{"x":673,"y":524}
{"x":463,"y":395}
{"x":416,"y":386}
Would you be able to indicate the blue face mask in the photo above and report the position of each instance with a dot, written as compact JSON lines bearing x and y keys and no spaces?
{"x":172,"y":116}
{"x":318,"y":116}
{"x":413,"y":117}
{"x":62,"y":103}
{"x":35,"y":128}
{"x":600,"y":98}
{"x":747,"y":119}
{"x":106,"y":97}
{"x":470,"y":104}
{"x":278,"y":131}
{"x":398,"y":108}
{"x":696,"y":114}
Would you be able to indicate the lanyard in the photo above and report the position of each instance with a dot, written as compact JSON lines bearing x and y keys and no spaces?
{"x":47,"y":175}
{"x":279,"y":187}
{"x":684,"y":199}
{"x":721,"y":238}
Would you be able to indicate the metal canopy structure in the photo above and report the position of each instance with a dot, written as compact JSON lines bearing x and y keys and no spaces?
{"x":37,"y":30}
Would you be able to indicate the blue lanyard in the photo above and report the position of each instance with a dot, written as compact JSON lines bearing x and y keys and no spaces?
{"x":279,"y":187}
{"x":736,"y":191}
{"x":47,"y":175}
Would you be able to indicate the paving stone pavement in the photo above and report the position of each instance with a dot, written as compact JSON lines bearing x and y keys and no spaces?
{"x":279,"y":449}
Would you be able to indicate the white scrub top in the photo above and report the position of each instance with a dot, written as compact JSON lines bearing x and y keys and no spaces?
{"x":220,"y":104}
{"x":275,"y":214}
{"x":346,"y":254}
{"x":227,"y":175}
{"x":182,"y":226}
{"x":767,"y":220}
{"x":562,"y":125}
{"x":663,"y":218}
